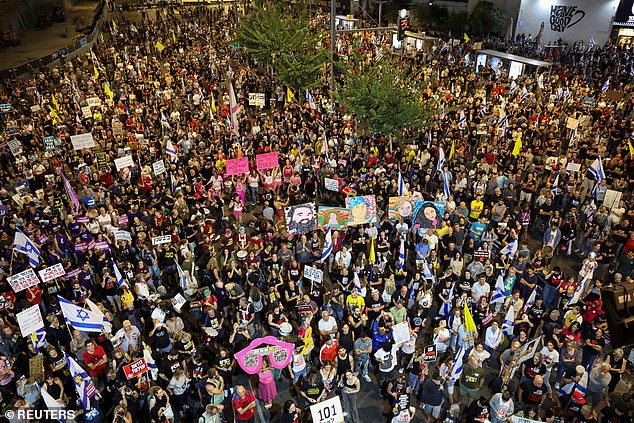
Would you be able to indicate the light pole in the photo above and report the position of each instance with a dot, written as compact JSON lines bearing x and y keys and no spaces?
{"x":333,"y":51}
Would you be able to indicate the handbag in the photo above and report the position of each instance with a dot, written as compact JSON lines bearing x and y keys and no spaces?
{"x":168,"y":413}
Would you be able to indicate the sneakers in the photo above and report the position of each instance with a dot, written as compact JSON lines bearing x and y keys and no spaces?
{"x":367,"y":378}
{"x":345,"y":414}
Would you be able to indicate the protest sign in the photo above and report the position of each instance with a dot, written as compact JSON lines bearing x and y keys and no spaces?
{"x":399,"y":208}
{"x":93,"y":101}
{"x":6,"y":108}
{"x":117,"y":128}
{"x":301,"y":218}
{"x":49,"y":143}
{"x":334,"y":217}
{"x":612,"y":198}
{"x":178,"y":302}
{"x":86,"y":112}
{"x":23,"y":280}
{"x":257,"y":99}
{"x":331,"y":184}
{"x":36,"y":108}
{"x":52,"y":272}
{"x":123,"y":162}
{"x":313,"y":274}
{"x":279,"y":353}
{"x":161,"y":239}
{"x":267,"y":161}
{"x":572,"y":123}
{"x":15,"y":146}
{"x":430,"y":353}
{"x":82,"y":141}
{"x":102,"y":161}
{"x":36,"y":368}
{"x":30,"y":320}
{"x":123,"y":235}
{"x":573,"y":167}
{"x":237,"y":166}
{"x":136,"y":368}
{"x":122,"y":220}
{"x":158,"y":167}
{"x":400,"y":332}
{"x":328,"y":411}
{"x":362,"y":210}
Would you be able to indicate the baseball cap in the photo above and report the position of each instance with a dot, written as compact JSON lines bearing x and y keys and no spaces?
{"x":579,"y":398}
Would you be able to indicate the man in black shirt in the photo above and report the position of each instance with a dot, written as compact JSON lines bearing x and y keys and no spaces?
{"x":532,"y":392}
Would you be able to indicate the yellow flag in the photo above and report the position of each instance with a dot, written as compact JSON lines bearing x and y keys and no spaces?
{"x":108,"y":91}
{"x":114,"y":25}
{"x":453,"y":149}
{"x":372,"y":257}
{"x":629,"y":145}
{"x":54,"y":116}
{"x":213,"y":103}
{"x":160,"y":47}
{"x":466,"y":38}
{"x":517,"y":148}
{"x":96,"y":71}
{"x":174,"y":37}
{"x":54,"y":101}
{"x":469,"y":324}
{"x":289,"y":95}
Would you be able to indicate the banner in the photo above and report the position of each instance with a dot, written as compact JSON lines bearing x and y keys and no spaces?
{"x":301,"y":218}
{"x":23,"y":280}
{"x":123,"y":235}
{"x":362,"y":210}
{"x":267,"y":161}
{"x":428,"y":214}
{"x":237,"y":166}
{"x":313,"y":274}
{"x":86,"y":112}
{"x":123,"y":162}
{"x":335,"y":217}
{"x":30,"y":320}
{"x":161,"y":239}
{"x":136,"y":368}
{"x":82,"y":141}
{"x":158,"y":167}
{"x":52,"y":272}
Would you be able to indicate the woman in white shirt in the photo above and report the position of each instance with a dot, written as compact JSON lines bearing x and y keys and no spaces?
{"x":457,"y":264}
{"x":442,"y":337}
{"x":492,"y":337}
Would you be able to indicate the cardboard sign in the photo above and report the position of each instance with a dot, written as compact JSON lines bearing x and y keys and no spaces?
{"x":36,"y":369}
{"x":86,"y":112}
{"x":23,"y":280}
{"x":117,"y":128}
{"x":123,"y":162}
{"x":162,"y":239}
{"x":267,"y":161}
{"x":30,"y":320}
{"x":36,"y":108}
{"x":102,"y":161}
{"x":178,"y":301}
{"x":572,"y":123}
{"x":400,"y":332}
{"x":82,"y":141}
{"x":15,"y":146}
{"x":93,"y":101}
{"x":52,"y":272}
{"x":250,"y":359}
{"x":49,"y":143}
{"x":136,"y":368}
{"x":573,"y":167}
{"x":612,"y":198}
{"x":237,"y":166}
{"x":158,"y":167}
{"x":430,"y":353}
{"x":257,"y":99}
{"x":331,"y":184}
{"x":328,"y":411}
{"x":122,"y":235}
{"x":313,"y":274}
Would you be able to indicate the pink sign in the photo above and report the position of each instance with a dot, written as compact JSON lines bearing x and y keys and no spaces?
{"x":237,"y":166}
{"x":279,"y":353}
{"x":267,"y":161}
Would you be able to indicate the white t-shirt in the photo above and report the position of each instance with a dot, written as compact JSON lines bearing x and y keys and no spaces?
{"x":387,"y":359}
{"x":327,"y":326}
{"x":550,"y":356}
{"x":480,"y":290}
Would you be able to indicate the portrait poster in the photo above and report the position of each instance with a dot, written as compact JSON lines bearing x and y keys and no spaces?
{"x":335,"y":217}
{"x":362,"y":210}
{"x":428,"y":214}
{"x":400,"y":208}
{"x":301,"y":219}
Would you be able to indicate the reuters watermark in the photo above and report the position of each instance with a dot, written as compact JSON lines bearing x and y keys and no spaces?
{"x":28,"y":414}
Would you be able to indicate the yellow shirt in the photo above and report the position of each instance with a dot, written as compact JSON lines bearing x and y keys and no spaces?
{"x":352,"y":302}
{"x":442,"y":231}
{"x":476,"y":208}
{"x":126,"y":298}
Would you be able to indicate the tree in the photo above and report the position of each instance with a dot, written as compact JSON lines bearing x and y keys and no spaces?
{"x":385,"y":99}
{"x":285,"y":43}
{"x":487,"y":19}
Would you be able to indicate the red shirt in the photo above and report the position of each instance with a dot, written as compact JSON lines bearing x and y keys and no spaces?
{"x":95,"y":358}
{"x":243,"y":402}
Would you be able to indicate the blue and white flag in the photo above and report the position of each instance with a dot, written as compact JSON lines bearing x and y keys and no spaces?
{"x":356,"y":281}
{"x":446,"y":307}
{"x":118,"y":276}
{"x":51,"y":403}
{"x":592,"y":208}
{"x":182,"y":277}
{"x":81,"y":319}
{"x":149,"y":360}
{"x":310,"y":101}
{"x":165,"y":122}
{"x":606,"y":85}
{"x":581,"y":288}
{"x":428,"y":139}
{"x":441,"y":159}
{"x":83,"y":384}
{"x":503,"y":121}
{"x":462,"y":121}
{"x":591,"y":43}
{"x":401,"y":254}
{"x":524,"y":93}
{"x":171,"y":151}
{"x":499,"y":291}
{"x":573,"y":137}
{"x":456,"y":369}
{"x":510,"y":249}
{"x":531,"y":300}
{"x":596,"y":168}
{"x":567,"y":94}
{"x":509,"y":320}
{"x":427,"y":273}
{"x":38,"y":339}
{"x":23,"y":244}
{"x":513,"y":87}
{"x":559,"y":93}
{"x":327,"y":249}
{"x":445,"y":186}
{"x":401,"y":184}
{"x":483,"y":107}
{"x":554,"y":189}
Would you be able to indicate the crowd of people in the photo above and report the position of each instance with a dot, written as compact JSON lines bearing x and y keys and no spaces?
{"x":490,"y":235}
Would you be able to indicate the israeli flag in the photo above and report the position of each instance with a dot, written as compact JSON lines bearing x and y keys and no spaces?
{"x":554,"y":189}
{"x":531,"y":300}
{"x":165,"y":122}
{"x":510,"y":249}
{"x":596,"y":168}
{"x":509,"y":320}
{"x":445,"y":186}
{"x":606,"y":85}
{"x":401,"y":253}
{"x":23,"y":244}
{"x":581,"y":288}
{"x":118,"y":275}
{"x":592,"y":208}
{"x":327,"y":249}
{"x":401,"y":184}
{"x":456,"y":369}
{"x":524,"y":93}
{"x":483,"y":108}
{"x":80,"y":318}
{"x":573,"y":137}
{"x":356,"y":280}
{"x":499,"y":292}
{"x":513,"y":87}
{"x":149,"y":360}
{"x":503,"y":121}
{"x":462,"y":121}
{"x":51,"y":403}
{"x":427,"y":273}
{"x":429,"y":140}
{"x":559,"y":93}
{"x":441,"y":159}
{"x":446,"y":307}
{"x":567,"y":94}
{"x":310,"y":101}
{"x":171,"y":151}
{"x":182,"y":278}
{"x":83,"y":384}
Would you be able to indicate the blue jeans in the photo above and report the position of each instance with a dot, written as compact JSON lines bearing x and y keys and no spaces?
{"x":254,"y":195}
{"x":415,"y":382}
{"x":361,"y":364}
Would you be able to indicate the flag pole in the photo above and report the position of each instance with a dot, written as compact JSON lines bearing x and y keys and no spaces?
{"x":11,"y":262}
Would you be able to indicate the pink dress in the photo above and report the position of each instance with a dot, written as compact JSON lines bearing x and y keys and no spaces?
{"x":267,"y":390}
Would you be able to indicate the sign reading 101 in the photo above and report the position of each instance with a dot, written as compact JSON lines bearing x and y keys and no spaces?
{"x":328,"y":411}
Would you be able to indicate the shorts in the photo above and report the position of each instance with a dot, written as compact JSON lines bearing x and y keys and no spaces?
{"x":473,"y":393}
{"x":434,"y":410}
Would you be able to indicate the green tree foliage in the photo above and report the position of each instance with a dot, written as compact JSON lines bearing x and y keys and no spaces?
{"x":487,"y":19}
{"x":285,"y":43}
{"x":385,"y":99}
